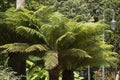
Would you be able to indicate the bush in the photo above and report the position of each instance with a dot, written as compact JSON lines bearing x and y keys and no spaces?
{"x":8,"y":74}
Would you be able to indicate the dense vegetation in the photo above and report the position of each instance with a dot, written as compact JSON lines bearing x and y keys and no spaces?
{"x":47,"y":38}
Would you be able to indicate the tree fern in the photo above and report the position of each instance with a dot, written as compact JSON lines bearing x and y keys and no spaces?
{"x":75,"y":44}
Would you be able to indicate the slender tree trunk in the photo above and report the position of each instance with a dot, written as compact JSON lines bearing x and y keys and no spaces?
{"x":18,"y":64}
{"x":20,"y":4}
{"x":54,"y":73}
{"x":67,"y":75}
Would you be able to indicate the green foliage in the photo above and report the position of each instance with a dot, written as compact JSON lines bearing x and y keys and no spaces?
{"x":75,"y":43}
{"x":60,"y":34}
{"x":35,"y":72}
{"x":89,"y":40}
{"x":51,"y":60}
{"x":3,"y":59}
{"x":35,"y":47}
{"x":77,"y":76}
{"x":15,"y":47}
{"x":23,"y":48}
{"x":5,"y":4}
{"x":7,"y":74}
{"x":24,"y":31}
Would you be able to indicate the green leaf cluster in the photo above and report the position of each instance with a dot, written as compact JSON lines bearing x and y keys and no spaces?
{"x":65,"y":42}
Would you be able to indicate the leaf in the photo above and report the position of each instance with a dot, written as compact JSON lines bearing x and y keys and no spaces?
{"x":51,"y":60}
{"x":36,"y":47}
{"x":15,"y":47}
{"x":65,"y":41}
{"x":30,"y":33}
{"x":29,"y":63}
{"x":77,"y":53}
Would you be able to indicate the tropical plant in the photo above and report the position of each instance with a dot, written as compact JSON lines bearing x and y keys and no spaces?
{"x":18,"y":53}
{"x":6,"y":4}
{"x":6,"y":73}
{"x":35,"y":72}
{"x":11,"y":48}
{"x":61,"y":35}
{"x":70,"y":44}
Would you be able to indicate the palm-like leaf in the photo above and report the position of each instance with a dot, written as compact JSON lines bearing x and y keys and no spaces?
{"x":51,"y":59}
{"x":72,"y":57}
{"x":15,"y":47}
{"x":36,"y":35}
{"x":36,"y":47}
{"x":111,"y":58}
{"x":65,"y":41}
{"x":76,"y":53}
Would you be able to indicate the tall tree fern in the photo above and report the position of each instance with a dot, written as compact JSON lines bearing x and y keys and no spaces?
{"x":18,"y":54}
{"x":70,"y":44}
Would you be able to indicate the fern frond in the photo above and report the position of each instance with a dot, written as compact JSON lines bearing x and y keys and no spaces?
{"x":51,"y":60}
{"x":72,"y":58}
{"x":65,"y":41}
{"x":78,"y":53}
{"x":92,"y":29}
{"x":73,"y":26}
{"x":43,"y":13}
{"x":52,"y":33}
{"x":31,"y":34}
{"x":36,"y":47}
{"x":15,"y":47}
{"x":111,"y":58}
{"x":56,"y":18}
{"x":105,"y":46}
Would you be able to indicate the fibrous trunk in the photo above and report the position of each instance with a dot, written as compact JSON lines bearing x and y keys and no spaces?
{"x":67,"y":75}
{"x":18,"y":64}
{"x":54,"y":73}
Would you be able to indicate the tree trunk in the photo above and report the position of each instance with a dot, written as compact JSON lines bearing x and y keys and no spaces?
{"x":20,"y":4}
{"x":18,"y":64}
{"x":54,"y":73}
{"x":67,"y":75}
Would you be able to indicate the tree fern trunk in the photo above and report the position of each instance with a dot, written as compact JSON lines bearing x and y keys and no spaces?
{"x":67,"y":75}
{"x":18,"y":64}
{"x":20,"y":4}
{"x":54,"y":73}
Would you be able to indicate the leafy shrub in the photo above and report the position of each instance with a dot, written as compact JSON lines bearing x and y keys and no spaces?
{"x":7,"y":74}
